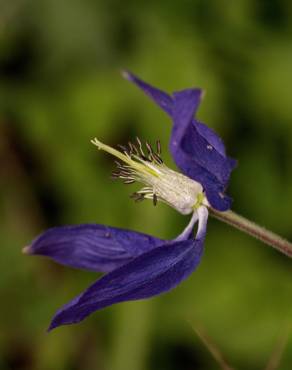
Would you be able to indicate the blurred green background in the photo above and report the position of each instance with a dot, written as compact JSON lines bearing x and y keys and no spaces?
{"x":60,"y":87}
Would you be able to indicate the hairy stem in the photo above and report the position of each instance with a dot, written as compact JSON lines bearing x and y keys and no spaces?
{"x":259,"y":232}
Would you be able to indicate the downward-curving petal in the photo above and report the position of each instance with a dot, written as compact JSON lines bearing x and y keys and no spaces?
{"x":92,"y":247}
{"x":151,"y":273}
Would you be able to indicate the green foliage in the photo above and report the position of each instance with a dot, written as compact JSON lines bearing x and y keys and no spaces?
{"x":60,"y":87}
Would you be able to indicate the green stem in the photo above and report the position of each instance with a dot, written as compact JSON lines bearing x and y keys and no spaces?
{"x":249,"y":227}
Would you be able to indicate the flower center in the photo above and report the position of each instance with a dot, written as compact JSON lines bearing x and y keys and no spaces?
{"x":141,"y":163}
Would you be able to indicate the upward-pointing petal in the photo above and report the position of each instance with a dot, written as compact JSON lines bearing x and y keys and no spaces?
{"x":199,"y":152}
{"x":165,"y":102}
{"x":151,"y":273}
{"x":161,"y":98}
{"x":193,"y":154}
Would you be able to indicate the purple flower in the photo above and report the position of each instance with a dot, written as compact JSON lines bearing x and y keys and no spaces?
{"x":137,"y":265}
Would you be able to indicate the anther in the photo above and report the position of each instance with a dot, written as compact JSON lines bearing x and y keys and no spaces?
{"x":124,"y":148}
{"x":140,"y":147}
{"x":149,"y":147}
{"x":116,"y":174}
{"x":158,"y":146}
{"x":138,"y":197}
{"x":157,"y":158}
{"x":133,"y":148}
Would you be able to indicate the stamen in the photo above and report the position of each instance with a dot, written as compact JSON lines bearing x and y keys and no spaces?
{"x":123,"y":147}
{"x":140,"y":148}
{"x":115,"y":174}
{"x":158,"y":146}
{"x":157,"y":158}
{"x":154,"y":199}
{"x":129,"y":181}
{"x":138,"y":197}
{"x":146,"y":189}
{"x":133,"y":149}
{"x":149,"y":148}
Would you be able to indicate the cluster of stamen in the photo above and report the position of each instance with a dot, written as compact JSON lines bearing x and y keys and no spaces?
{"x":142,"y":163}
{"x":143,"y":153}
{"x":136,"y":150}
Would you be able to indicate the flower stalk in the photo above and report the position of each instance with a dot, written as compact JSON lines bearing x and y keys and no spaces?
{"x":251,"y":228}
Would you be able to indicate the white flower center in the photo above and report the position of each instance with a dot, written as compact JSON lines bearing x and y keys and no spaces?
{"x":161,"y":183}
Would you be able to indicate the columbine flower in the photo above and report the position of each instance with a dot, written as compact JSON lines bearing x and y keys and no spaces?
{"x":140,"y":266}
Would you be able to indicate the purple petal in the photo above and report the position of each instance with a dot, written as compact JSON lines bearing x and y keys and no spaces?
{"x":92,"y":247}
{"x":165,"y":102}
{"x":162,"y":99}
{"x":210,"y":136}
{"x":193,"y":154}
{"x":197,"y":150}
{"x":185,"y":138}
{"x":148,"y":275}
{"x":217,"y":198}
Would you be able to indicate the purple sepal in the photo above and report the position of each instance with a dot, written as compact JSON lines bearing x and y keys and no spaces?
{"x":200,"y":153}
{"x":162,"y":99}
{"x":211,"y":136}
{"x":150,"y":274}
{"x":194,"y":155}
{"x":92,"y":247}
{"x":165,"y":102}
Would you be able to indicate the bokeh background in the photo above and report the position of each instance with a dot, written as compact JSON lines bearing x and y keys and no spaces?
{"x":59,"y":87}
